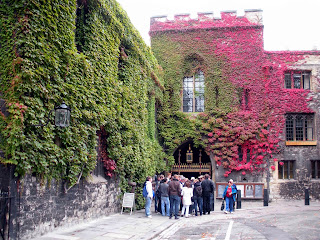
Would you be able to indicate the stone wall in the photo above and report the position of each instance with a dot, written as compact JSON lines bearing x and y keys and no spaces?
{"x":296,"y":190}
{"x":41,"y":208}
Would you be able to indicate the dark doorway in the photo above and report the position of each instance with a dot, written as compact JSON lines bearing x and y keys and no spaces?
{"x":185,"y":147}
{"x":190,"y":161}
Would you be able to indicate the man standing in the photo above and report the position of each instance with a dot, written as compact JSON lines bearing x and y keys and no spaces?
{"x":165,"y":203}
{"x":148,"y":185}
{"x":207,"y":191}
{"x":175,"y":196}
{"x":157,"y":196}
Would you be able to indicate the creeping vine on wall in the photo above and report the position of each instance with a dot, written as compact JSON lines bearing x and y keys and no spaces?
{"x":88,"y":54}
{"x":245,"y":99}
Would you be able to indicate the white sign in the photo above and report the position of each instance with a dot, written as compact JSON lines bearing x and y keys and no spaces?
{"x":128,"y":201}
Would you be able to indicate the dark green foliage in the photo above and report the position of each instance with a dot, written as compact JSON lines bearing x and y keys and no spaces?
{"x":87,"y":54}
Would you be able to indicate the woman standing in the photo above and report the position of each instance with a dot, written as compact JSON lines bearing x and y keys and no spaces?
{"x":187,"y":193}
{"x":229,"y":196}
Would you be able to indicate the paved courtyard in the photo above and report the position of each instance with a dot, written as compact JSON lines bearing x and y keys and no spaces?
{"x":280,"y":220}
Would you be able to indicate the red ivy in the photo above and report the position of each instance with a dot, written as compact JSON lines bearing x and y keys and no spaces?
{"x":256,"y":126}
{"x":109,"y":164}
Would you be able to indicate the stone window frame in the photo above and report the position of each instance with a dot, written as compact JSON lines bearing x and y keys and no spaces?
{"x":291,"y":79}
{"x":300,"y":135}
{"x":241,"y":152}
{"x":288,"y":168}
{"x":189,"y":85}
{"x":315,"y":169}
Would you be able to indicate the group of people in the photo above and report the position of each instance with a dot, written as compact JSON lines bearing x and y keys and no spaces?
{"x":169,"y":192}
{"x":194,"y":194}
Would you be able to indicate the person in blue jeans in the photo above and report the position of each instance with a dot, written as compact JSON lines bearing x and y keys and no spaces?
{"x":165,"y":202}
{"x":175,"y":196}
{"x":197,"y":197}
{"x":149,"y":197}
{"x":229,"y":196}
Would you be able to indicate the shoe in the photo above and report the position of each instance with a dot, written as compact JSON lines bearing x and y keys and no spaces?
{"x":170,"y":217}
{"x":232,"y":212}
{"x":176,"y":218}
{"x":187,"y":216}
{"x":149,"y":216}
{"x":226,"y":212}
{"x":208,"y":213}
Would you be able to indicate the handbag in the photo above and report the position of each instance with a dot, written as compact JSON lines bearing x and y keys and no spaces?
{"x":222,"y":205}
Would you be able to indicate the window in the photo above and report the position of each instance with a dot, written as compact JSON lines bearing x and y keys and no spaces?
{"x":243,"y":95}
{"x":193,"y":93}
{"x":315,"y":169}
{"x":244,"y":153}
{"x":299,"y":127}
{"x":246,"y":100}
{"x":286,"y":171}
{"x":297,"y":79}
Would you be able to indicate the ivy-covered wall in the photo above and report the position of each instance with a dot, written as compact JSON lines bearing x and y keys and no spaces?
{"x":87,"y":54}
{"x":245,"y":99}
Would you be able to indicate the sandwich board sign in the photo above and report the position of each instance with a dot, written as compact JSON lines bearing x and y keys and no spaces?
{"x":128,"y":201}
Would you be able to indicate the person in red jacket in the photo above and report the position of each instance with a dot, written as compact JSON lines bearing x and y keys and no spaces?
{"x":229,"y":195}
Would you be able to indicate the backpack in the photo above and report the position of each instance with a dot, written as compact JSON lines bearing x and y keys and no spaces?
{"x":144,"y":192}
{"x":199,"y":191}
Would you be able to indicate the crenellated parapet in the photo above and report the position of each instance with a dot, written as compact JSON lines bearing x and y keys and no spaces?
{"x":206,"y":20}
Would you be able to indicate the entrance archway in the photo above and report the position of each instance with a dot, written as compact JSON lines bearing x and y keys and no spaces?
{"x":191,"y":161}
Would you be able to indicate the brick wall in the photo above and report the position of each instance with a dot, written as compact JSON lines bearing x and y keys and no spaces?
{"x":41,"y":208}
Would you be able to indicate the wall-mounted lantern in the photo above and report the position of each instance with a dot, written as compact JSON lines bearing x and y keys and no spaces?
{"x":189,"y":155}
{"x":62,"y":116}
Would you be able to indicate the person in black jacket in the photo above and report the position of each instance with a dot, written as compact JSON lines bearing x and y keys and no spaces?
{"x":197,"y":197}
{"x":207,"y":191}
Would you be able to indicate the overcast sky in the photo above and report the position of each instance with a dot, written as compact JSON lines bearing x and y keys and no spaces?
{"x":288,"y":24}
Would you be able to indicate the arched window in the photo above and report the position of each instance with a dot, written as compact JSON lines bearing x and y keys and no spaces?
{"x":193,"y":93}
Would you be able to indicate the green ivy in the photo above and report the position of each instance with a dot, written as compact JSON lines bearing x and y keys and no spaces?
{"x":88,"y":54}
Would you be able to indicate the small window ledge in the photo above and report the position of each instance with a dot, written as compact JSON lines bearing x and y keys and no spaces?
{"x":301,"y":143}
{"x":285,"y":180}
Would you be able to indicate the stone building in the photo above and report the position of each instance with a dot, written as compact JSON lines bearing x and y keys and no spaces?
{"x":238,"y":111}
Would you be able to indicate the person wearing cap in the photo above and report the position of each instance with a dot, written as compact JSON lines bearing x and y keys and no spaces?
{"x":229,"y":196}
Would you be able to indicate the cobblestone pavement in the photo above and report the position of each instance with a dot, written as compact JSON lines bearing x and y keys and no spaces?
{"x":280,"y":220}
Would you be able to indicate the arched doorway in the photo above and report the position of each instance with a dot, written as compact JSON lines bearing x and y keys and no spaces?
{"x":191,"y":161}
